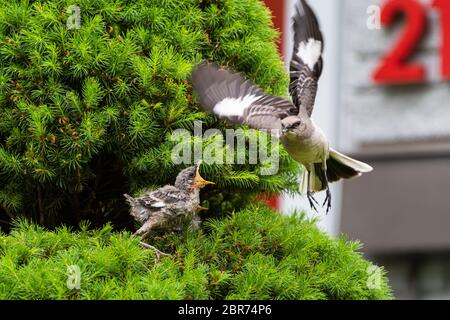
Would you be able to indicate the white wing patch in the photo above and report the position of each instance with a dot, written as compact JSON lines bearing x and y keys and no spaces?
{"x":310,"y":52}
{"x":230,"y":107}
{"x":159,"y":204}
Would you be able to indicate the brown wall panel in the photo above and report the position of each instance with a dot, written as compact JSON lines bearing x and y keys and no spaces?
{"x":402,"y":206}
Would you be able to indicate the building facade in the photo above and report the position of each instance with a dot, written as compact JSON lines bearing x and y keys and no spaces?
{"x":385,"y":98}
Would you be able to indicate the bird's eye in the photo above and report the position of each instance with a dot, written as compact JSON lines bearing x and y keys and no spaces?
{"x":293,"y":125}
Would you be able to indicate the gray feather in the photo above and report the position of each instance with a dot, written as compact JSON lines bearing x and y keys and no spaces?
{"x":231,"y":96}
{"x":303,"y":84}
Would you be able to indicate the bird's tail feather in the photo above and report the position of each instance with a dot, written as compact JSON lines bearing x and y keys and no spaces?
{"x":344,"y":160}
{"x":129,"y":198}
{"x":339,"y":166}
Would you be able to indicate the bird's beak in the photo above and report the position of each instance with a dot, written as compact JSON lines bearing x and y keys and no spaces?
{"x":199,"y":182}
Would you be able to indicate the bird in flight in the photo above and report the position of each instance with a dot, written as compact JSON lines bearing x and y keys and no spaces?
{"x":167,"y":207}
{"x":231,"y":96}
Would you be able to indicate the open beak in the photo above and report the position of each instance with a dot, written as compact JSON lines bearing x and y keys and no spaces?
{"x":199,"y":182}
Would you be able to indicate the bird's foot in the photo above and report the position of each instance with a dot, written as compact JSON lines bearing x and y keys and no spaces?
{"x":158,"y":252}
{"x":312,"y":201}
{"x":327,"y":200}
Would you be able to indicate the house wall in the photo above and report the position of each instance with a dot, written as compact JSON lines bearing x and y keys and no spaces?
{"x":400,"y":211}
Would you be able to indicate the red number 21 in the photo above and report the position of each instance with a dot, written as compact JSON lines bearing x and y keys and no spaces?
{"x":394,"y":67}
{"x":444,"y":8}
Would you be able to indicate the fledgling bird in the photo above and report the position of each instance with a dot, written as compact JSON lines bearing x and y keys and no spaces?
{"x":231,"y":96}
{"x":167,"y":207}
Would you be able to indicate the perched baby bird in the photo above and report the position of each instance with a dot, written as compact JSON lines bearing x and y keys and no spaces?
{"x":167,"y":207}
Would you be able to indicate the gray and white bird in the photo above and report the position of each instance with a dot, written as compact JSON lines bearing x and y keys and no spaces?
{"x":169,"y":206}
{"x":231,"y":96}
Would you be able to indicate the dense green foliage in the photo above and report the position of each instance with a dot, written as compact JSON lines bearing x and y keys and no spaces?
{"x":253,"y":254}
{"x":86,"y":114}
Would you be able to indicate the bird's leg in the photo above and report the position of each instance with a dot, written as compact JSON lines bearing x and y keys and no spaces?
{"x":153,"y":222}
{"x":327,"y":198}
{"x":328,"y":192}
{"x":158,"y":252}
{"x":312,"y":201}
{"x":145,"y":229}
{"x":143,"y":232}
{"x":309,"y":194}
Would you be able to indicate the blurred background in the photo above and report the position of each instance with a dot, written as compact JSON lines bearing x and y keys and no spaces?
{"x":384,"y":98}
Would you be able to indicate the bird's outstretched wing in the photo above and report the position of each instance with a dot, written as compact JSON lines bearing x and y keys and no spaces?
{"x":162,"y":197}
{"x":231,"y":96}
{"x":306,"y":64}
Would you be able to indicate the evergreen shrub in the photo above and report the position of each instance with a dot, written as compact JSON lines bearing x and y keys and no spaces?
{"x":253,"y":254}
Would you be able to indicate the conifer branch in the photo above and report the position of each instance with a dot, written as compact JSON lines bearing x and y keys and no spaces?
{"x":116,"y":88}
